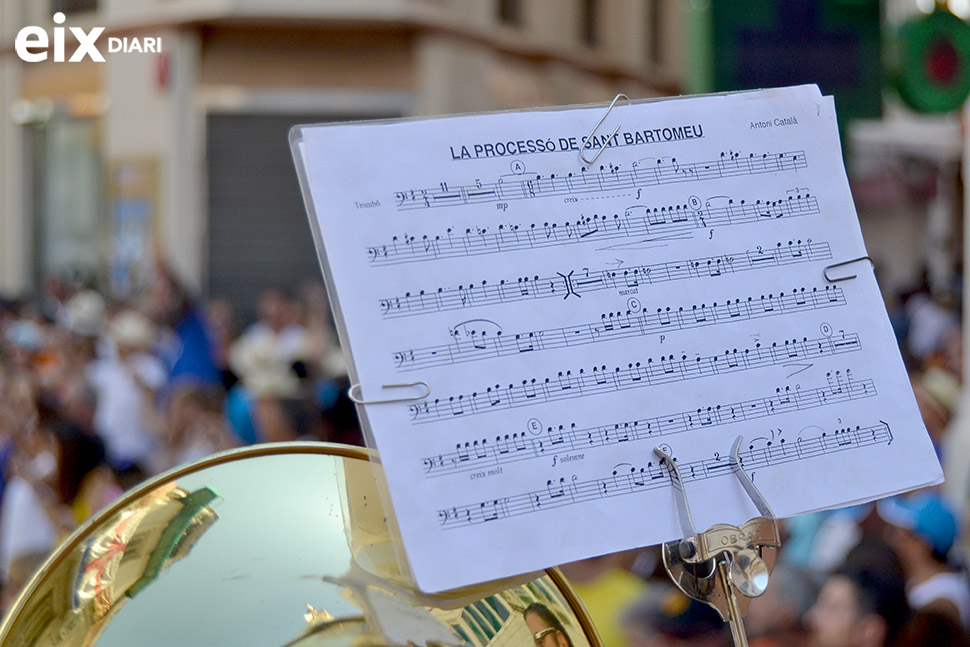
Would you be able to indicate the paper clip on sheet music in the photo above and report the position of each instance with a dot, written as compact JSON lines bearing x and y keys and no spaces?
{"x":354,"y":393}
{"x":582,"y":152}
{"x":825,"y":272}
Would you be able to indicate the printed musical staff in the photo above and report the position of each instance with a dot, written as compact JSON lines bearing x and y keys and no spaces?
{"x":627,"y":479}
{"x":579,"y":282}
{"x":607,"y":178}
{"x":636,"y":221}
{"x":472,"y":344}
{"x":520,"y":446}
{"x":568,"y":385}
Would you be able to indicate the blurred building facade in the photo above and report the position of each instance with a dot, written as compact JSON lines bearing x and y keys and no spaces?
{"x":187,"y":147}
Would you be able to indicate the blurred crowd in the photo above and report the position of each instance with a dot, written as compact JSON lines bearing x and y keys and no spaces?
{"x":97,"y":395}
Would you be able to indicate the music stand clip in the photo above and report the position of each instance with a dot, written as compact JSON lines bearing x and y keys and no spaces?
{"x":716,"y":565}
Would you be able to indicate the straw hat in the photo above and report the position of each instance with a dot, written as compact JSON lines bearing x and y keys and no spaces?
{"x":263,"y":367}
{"x":85,"y":313}
{"x":132,"y":331}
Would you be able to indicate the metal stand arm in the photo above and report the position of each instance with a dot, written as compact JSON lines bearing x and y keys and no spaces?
{"x":716,"y":565}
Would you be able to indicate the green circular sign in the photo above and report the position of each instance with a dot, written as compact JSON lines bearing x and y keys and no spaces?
{"x":933,"y":70}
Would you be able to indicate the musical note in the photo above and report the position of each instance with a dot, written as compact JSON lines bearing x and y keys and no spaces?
{"x":513,"y":448}
{"x":635,"y":222}
{"x":607,"y":179}
{"x":493,"y":510}
{"x":563,"y":284}
{"x":611,"y":379}
{"x":624,"y":481}
{"x":478,"y":343}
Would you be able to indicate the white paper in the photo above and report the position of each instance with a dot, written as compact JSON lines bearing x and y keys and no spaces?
{"x":404,"y":624}
{"x":571,"y":317}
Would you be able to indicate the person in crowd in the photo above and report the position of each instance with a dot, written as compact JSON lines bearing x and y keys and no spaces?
{"x":222,"y":319}
{"x":606,"y":588}
{"x":85,"y":313}
{"x":85,"y":482}
{"x":279,"y":319}
{"x":327,"y":369}
{"x":929,"y":324}
{"x":75,"y":399}
{"x":545,"y":627}
{"x":194,"y":428}
{"x":55,"y":292}
{"x":270,"y":358}
{"x":273,"y":401}
{"x":922,"y":529}
{"x":777,"y":618}
{"x":25,"y":339}
{"x":858,"y":607}
{"x":82,"y":482}
{"x":30,"y":522}
{"x":340,"y":423}
{"x":85,"y":316}
{"x":287,"y":419}
{"x":928,"y":628}
{"x":186,"y":348}
{"x":935,"y":415}
{"x":58,"y":479}
{"x":665,"y":617}
{"x":874,"y":553}
{"x":321,"y":331}
{"x":127,"y":382}
{"x":820,"y":541}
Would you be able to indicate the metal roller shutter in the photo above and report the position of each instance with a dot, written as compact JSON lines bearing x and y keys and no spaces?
{"x":258,"y":234}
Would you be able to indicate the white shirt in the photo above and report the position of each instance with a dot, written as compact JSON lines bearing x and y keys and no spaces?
{"x":952,"y":587}
{"x":25,"y":528}
{"x":119,"y":417}
{"x":291,"y":342}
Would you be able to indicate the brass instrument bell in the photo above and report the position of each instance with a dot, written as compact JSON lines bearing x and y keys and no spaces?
{"x":285,"y":544}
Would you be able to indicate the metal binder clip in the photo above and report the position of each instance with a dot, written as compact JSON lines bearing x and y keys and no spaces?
{"x":717,"y":564}
{"x":582,"y":152}
{"x":357,"y":397}
{"x":828,"y":278}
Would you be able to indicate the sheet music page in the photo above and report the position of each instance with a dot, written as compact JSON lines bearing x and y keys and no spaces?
{"x":571,"y":317}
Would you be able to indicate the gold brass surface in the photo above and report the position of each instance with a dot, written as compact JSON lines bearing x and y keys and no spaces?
{"x":285,"y":544}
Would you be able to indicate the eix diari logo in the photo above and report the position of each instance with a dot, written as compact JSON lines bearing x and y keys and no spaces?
{"x":33,"y":44}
